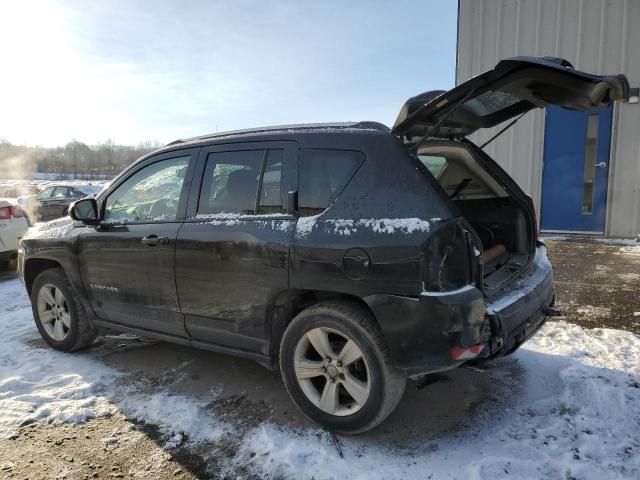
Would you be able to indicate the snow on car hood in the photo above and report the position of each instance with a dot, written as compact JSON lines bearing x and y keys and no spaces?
{"x":54,"y":229}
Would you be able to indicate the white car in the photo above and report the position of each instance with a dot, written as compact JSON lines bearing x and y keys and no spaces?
{"x":13,"y":225}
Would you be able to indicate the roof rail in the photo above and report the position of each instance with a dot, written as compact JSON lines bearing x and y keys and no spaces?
{"x":304,"y":126}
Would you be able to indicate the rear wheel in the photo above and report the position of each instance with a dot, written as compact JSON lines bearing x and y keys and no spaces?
{"x":337,"y":369}
{"x":59,"y":314}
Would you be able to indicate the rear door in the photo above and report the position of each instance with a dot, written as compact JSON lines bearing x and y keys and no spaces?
{"x":232,"y":252}
{"x":59,"y":202}
{"x":127,"y":262}
{"x":42,"y":203}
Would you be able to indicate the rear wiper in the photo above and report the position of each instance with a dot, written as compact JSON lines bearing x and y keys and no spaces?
{"x":461,"y":186}
{"x":509,"y":125}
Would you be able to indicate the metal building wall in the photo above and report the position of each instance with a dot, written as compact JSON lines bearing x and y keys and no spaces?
{"x":600,"y":36}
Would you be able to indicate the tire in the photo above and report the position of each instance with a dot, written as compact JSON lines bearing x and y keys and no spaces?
{"x":372,"y":373}
{"x":70,"y":329}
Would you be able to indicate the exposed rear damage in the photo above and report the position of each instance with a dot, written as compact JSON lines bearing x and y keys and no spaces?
{"x":485,"y":271}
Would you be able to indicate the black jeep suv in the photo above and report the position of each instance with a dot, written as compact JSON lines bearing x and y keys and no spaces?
{"x":348,"y":255}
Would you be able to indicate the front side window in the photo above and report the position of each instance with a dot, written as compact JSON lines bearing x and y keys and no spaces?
{"x":323,"y":175}
{"x":46,"y":193}
{"x":232,"y":179}
{"x":151,"y":194}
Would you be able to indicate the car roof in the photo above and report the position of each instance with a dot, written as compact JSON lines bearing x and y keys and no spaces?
{"x":364,"y":127}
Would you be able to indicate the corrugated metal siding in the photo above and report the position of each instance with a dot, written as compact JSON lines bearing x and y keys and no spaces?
{"x":596,"y":36}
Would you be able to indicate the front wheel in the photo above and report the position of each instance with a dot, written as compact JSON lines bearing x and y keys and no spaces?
{"x":337,"y":369}
{"x":59,"y":314}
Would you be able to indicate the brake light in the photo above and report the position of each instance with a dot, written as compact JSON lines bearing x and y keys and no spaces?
{"x":468,"y":353}
{"x":12,"y":211}
{"x":16,"y":212}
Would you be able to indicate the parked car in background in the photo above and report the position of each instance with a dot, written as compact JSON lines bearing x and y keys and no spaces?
{"x":13,"y":225}
{"x":349,"y":256}
{"x":21,"y":190}
{"x":54,"y":200}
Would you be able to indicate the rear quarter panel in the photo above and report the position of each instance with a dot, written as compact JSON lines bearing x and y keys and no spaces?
{"x":386,"y":213}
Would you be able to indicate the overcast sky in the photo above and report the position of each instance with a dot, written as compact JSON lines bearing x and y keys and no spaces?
{"x":151,"y":70}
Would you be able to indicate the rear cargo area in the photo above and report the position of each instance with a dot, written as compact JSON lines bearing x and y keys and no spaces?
{"x":495,"y":208}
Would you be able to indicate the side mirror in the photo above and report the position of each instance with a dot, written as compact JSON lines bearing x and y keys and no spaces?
{"x":85,"y":211}
{"x":292,"y":202}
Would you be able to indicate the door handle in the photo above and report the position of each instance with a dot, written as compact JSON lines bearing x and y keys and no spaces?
{"x":601,"y":165}
{"x":153,"y":240}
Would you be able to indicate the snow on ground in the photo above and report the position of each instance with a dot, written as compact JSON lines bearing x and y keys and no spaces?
{"x":574,"y":412}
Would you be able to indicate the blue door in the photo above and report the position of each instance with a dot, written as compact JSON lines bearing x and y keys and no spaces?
{"x":575,"y":170}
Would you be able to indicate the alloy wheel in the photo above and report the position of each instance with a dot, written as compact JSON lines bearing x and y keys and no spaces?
{"x":53,"y":312}
{"x":332,"y":371}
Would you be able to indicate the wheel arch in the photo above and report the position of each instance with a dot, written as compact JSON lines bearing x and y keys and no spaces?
{"x":289,"y":303}
{"x":34,"y":267}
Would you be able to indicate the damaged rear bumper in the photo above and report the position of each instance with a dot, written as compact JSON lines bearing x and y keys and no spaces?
{"x":423,"y":333}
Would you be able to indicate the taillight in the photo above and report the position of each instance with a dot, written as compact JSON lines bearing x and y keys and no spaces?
{"x":12,"y":211}
{"x":468,"y":353}
{"x":16,"y":211}
{"x":446,"y":260}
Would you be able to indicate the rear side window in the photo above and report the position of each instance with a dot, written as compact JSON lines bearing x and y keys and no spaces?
{"x":232,"y":180}
{"x":61,"y":192}
{"x":434,"y":163}
{"x":323,"y":174}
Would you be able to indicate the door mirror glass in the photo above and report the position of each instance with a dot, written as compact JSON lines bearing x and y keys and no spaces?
{"x":85,"y":210}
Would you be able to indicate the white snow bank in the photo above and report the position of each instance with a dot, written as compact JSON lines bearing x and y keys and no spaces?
{"x":38,"y":383}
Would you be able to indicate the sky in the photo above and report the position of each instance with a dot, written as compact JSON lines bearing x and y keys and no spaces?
{"x":143,"y":70}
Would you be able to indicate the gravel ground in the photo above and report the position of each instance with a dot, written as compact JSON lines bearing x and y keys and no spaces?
{"x":597,"y":284}
{"x":107,"y":447}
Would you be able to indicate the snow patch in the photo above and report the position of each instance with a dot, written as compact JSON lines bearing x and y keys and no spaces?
{"x":305,"y":225}
{"x":346,"y":226}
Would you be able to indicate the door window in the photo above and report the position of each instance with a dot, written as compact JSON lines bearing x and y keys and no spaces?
{"x":323,"y":175}
{"x":150,"y":194}
{"x":271,"y":191}
{"x":232,"y":179}
{"x":45,"y":194}
{"x":61,"y":192}
{"x":590,"y":159}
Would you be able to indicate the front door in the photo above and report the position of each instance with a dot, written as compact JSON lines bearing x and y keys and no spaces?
{"x":127,"y":262}
{"x":576,"y":170}
{"x":232,"y":253}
